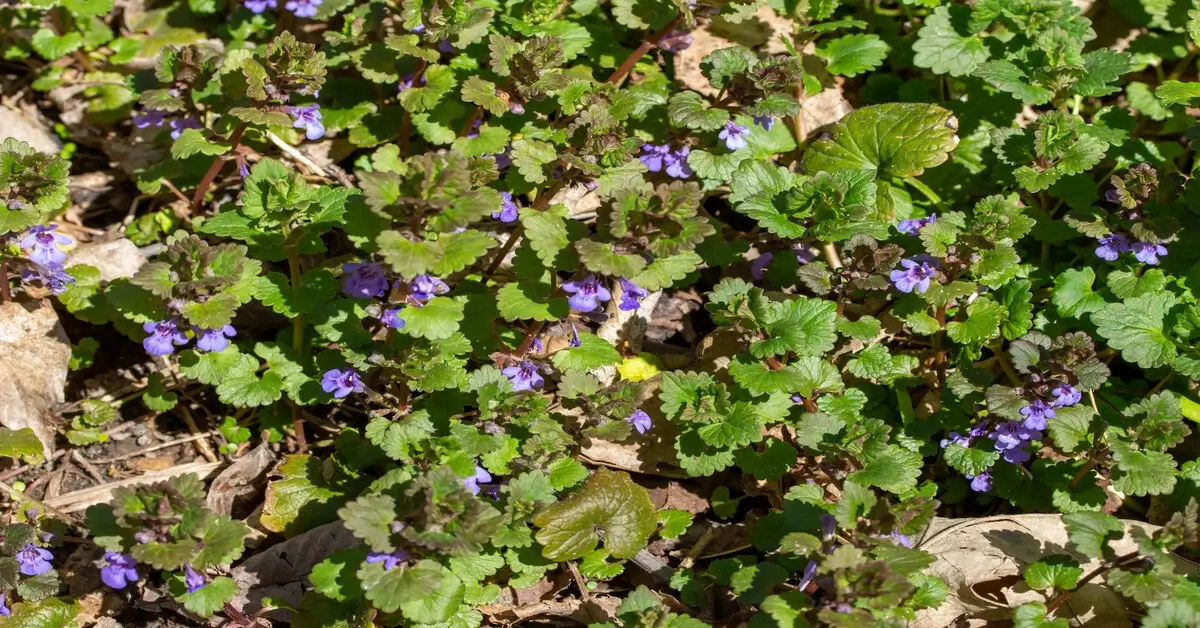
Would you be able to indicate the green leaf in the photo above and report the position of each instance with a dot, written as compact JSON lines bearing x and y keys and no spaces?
{"x":438,"y":319}
{"x":52,"y":46}
{"x":402,"y":584}
{"x":1176,"y":93}
{"x":1007,"y":77}
{"x":530,"y":300}
{"x":1089,"y":532}
{"x":206,"y":600}
{"x":818,"y":376}
{"x":1135,"y":328}
{"x":945,"y":45}
{"x":88,"y":8}
{"x":565,"y":473}
{"x":894,"y":469}
{"x":1073,"y":295}
{"x":969,"y":460}
{"x":192,"y":142}
{"x":982,"y":324}
{"x":690,"y":110}
{"x":1070,"y":426}
{"x":1033,"y":615}
{"x":51,"y":612}
{"x":530,"y":157}
{"x":593,"y":352}
{"x":610,"y":503}
{"x":852,"y":55}
{"x":893,"y":140}
{"x":1053,"y":572}
{"x":314,"y":288}
{"x":674,"y":522}
{"x":755,"y":377}
{"x":877,"y":363}
{"x":804,"y":326}
{"x":547,"y":231}
{"x":776,"y":459}
{"x":483,"y":93}
{"x":740,"y":425}
{"x":20,"y":444}
{"x":1143,"y":472}
{"x":222,"y":541}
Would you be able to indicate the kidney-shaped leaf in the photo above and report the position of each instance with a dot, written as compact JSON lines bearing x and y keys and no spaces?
{"x":893,"y":139}
{"x":611,"y":504}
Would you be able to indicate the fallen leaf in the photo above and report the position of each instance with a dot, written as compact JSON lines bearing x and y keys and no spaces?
{"x":28,"y":129}
{"x":115,"y":259}
{"x":243,"y":479}
{"x":981,"y":561}
{"x":33,"y":372}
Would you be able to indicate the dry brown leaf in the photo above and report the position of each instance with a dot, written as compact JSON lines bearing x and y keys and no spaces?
{"x":981,"y":561}
{"x":153,"y":463}
{"x":33,"y":373}
{"x":26,"y":128}
{"x":245,"y":478}
{"x":115,"y":259}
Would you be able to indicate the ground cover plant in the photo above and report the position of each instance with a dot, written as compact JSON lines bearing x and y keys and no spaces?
{"x":678,"y":313}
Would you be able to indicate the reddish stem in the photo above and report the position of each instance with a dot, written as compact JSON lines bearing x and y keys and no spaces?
{"x":406,"y":123}
{"x":215,"y":168}
{"x":539,"y":204}
{"x":645,"y":47}
{"x":5,"y":295}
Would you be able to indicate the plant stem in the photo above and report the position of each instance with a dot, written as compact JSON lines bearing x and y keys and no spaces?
{"x":939,"y":346}
{"x":5,"y":295}
{"x":926,"y":191}
{"x":298,"y":324}
{"x":1083,"y":471}
{"x":1119,"y":562}
{"x":647,"y":44}
{"x":215,"y":168}
{"x":539,"y":204}
{"x":831,"y":255}
{"x":406,"y":123}
{"x":1005,"y":364}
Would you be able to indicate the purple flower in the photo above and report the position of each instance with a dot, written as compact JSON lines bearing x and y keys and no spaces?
{"x":418,"y":29}
{"x":406,"y":82}
{"x":179,"y":124}
{"x":631,"y":295}
{"x":303,"y":8}
{"x":214,"y":340}
{"x":481,"y":475}
{"x":981,"y":483}
{"x":640,"y":421}
{"x":120,"y":570}
{"x":573,"y":341}
{"x":901,"y":539}
{"x":524,"y":377}
{"x":341,"y":382}
{"x":243,"y":169}
{"x":1016,"y":455}
{"x":913,"y":225}
{"x":914,"y":276}
{"x":1148,"y":252}
{"x":192,"y":579}
{"x":676,"y":41}
{"x":734,"y":136}
{"x":389,"y":559}
{"x":52,"y":277}
{"x":956,"y":439}
{"x":828,"y":527}
{"x":34,"y":560}
{"x":760,"y":264}
{"x":1112,"y":246}
{"x":307,"y":117}
{"x":653,"y":156}
{"x":766,"y":122}
{"x":44,"y":245}
{"x":503,"y":158}
{"x":445,"y":46}
{"x":363,"y":280}
{"x":1036,"y":414}
{"x":259,"y":6}
{"x":805,"y":255}
{"x":810,"y":572}
{"x":149,"y":118}
{"x":164,"y":336}
{"x":4,"y":612}
{"x":677,"y":165}
{"x":391,"y":318}
{"x":424,"y":287}
{"x":585,"y":293}
{"x":508,"y":209}
{"x":516,"y":108}
{"x":1065,"y":395}
{"x":1010,"y":434}
{"x":536,"y":346}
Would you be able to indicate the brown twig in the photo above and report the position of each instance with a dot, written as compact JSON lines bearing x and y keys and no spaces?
{"x":19,"y":496}
{"x":5,"y":294}
{"x":86,"y":466}
{"x":158,"y":447}
{"x":1119,"y":562}
{"x":179,"y":195}
{"x":647,"y":44}
{"x":12,"y":473}
{"x":215,"y":168}
{"x":201,"y":444}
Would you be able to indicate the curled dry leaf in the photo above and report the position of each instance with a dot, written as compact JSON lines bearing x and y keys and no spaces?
{"x":981,"y":561}
{"x":33,"y":372}
{"x":242,"y":480}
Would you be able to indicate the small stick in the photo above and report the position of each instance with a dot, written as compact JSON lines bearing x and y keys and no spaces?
{"x":173,"y":443}
{"x":19,"y":496}
{"x":8,"y":475}
{"x":86,"y":466}
{"x":294,"y":153}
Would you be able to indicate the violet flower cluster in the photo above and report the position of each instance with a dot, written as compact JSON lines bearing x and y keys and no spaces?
{"x":156,"y":118}
{"x":33,"y":560}
{"x":44,"y":250}
{"x":734,"y":135}
{"x":390,"y":560}
{"x":1113,"y":245}
{"x":913,"y":225}
{"x":119,"y":570}
{"x":165,"y":335}
{"x":299,"y":8}
{"x":915,"y":275}
{"x":660,"y":158}
{"x":307,"y":117}
{"x":368,"y":280}
{"x":586,"y":294}
{"x":524,"y":376}
{"x":480,"y":476}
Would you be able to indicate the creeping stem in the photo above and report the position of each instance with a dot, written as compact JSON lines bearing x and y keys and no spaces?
{"x":215,"y":168}
{"x":647,"y":44}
